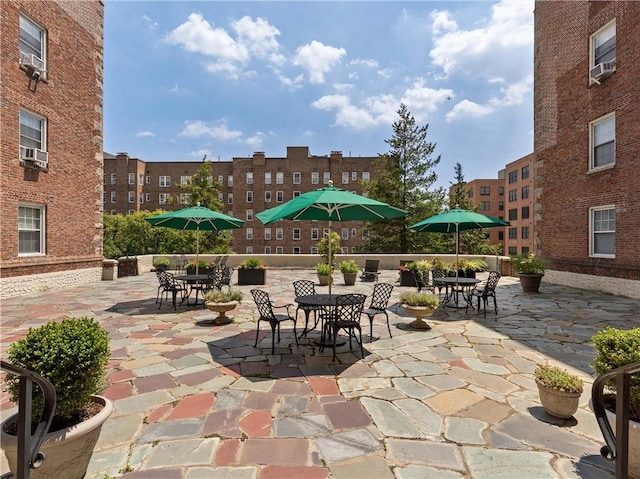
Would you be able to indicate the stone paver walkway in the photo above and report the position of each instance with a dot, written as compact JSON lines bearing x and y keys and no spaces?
{"x":193,"y":401}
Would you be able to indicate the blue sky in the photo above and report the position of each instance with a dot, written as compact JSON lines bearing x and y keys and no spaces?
{"x":227,"y":78}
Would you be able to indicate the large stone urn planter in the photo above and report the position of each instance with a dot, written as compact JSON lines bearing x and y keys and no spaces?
{"x":67,"y":451}
{"x":558,"y":403}
{"x":530,"y":282}
{"x":419,"y":312}
{"x":221,"y":309}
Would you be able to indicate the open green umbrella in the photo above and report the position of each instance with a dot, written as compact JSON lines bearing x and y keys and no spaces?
{"x":198,"y":218}
{"x":331,"y":204}
{"x":456,"y":220}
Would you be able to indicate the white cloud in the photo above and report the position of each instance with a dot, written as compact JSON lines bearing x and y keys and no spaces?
{"x":440,"y":22}
{"x":198,"y":128}
{"x":367,"y":62}
{"x":145,"y":134}
{"x":350,"y":115}
{"x":255,"y":140}
{"x":291,"y":83}
{"x":421,"y":99}
{"x":318,"y":59}
{"x":202,"y":153}
{"x":258,"y":36}
{"x":342,"y":86}
{"x":515,"y":94}
{"x":151,"y":23}
{"x":468,"y":109}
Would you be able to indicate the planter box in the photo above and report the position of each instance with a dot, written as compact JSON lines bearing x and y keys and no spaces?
{"x":252,"y":276}
{"x":407,"y":279}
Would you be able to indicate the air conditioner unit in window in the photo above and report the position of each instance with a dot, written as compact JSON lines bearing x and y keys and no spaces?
{"x":29,"y":60}
{"x":34,"y":155}
{"x":602,"y":70}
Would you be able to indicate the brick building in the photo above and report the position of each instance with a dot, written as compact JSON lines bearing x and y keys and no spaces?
{"x":587,"y":142}
{"x":51,"y":143}
{"x":249,"y":185}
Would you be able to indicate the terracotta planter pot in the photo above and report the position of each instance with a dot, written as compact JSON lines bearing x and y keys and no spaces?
{"x":68,"y":451}
{"x":558,"y":403}
{"x":221,"y":309}
{"x":530,"y":282}
{"x":419,"y":312}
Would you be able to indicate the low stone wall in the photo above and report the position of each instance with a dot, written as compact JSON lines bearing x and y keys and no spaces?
{"x":34,"y":283}
{"x":604,"y":284}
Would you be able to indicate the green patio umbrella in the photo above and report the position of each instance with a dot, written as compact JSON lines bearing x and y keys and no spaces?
{"x":197,"y":218}
{"x":456,"y":220}
{"x":331,"y":204}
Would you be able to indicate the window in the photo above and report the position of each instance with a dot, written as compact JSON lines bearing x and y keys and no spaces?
{"x":267,"y":250}
{"x":296,"y":234}
{"x":513,"y":195}
{"x":31,"y":229}
{"x":279,"y":196}
{"x":297,"y":178}
{"x":525,"y":172}
{"x":164,"y":181}
{"x":525,"y":212}
{"x":249,"y":235}
{"x":221,"y":197}
{"x":163,"y":197}
{"x":249,"y":196}
{"x":525,"y":250}
{"x":345,"y":233}
{"x":114,"y":178}
{"x":354,"y":232}
{"x":314,"y":177}
{"x":524,"y":232}
{"x":130,"y":212}
{"x":296,"y":194}
{"x":279,"y":178}
{"x":279,"y":233}
{"x":500,"y":205}
{"x":132,"y":196}
{"x":249,"y":177}
{"x":267,"y":197}
{"x":525,"y":192}
{"x":279,"y":250}
{"x":230,"y":199}
{"x":513,"y":214}
{"x":113,"y":197}
{"x":326,"y":177}
{"x":602,"y":133}
{"x":33,"y":130}
{"x":470,"y":193}
{"x":485,"y":205}
{"x":603,"y":45}
{"x":33,"y":40}
{"x":314,"y":234}
{"x":296,"y":250}
{"x":184,"y":198}
{"x":249,"y":215}
{"x":220,"y":179}
{"x":267,"y":177}
{"x":513,"y":176}
{"x":354,"y":176}
{"x":501,"y":190}
{"x":501,"y":235}
{"x":248,"y":250}
{"x":147,"y":197}
{"x":485,"y":190}
{"x":230,"y":180}
{"x":602,"y":231}
{"x":185,"y":180}
{"x":513,"y":250}
{"x":365,"y":233}
{"x":314,"y":250}
{"x":513,"y":233}
{"x":365,"y":176}
{"x":267,"y":234}
{"x":114,"y":212}
{"x":345,"y":177}
{"x":147,"y":179}
{"x":132,"y":179}
{"x":345,"y":249}
{"x":141,"y":179}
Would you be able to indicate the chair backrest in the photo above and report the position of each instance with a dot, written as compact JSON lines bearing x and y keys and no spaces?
{"x":263,"y":303}
{"x":381,"y":295}
{"x":223,"y":261}
{"x":349,"y":307}
{"x":492,"y":282}
{"x":169,"y":281}
{"x":227,"y":271}
{"x":371,"y":265}
{"x":161,"y":277}
{"x":304,"y":287}
{"x":438,"y":273}
{"x":421,"y":278}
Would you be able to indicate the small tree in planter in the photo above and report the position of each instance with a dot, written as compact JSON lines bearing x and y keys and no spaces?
{"x":349,"y":269}
{"x":559,"y":390}
{"x":324,"y":271}
{"x":531,"y":269}
{"x":73,"y":356}
{"x":252,"y":271}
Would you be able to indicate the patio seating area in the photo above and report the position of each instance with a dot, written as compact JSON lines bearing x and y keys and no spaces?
{"x":194,"y":400}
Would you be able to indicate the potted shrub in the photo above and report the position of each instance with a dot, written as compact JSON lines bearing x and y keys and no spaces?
{"x":349,"y":269}
{"x":406,"y":274}
{"x":323,"y":247}
{"x":252,"y":271}
{"x":531,"y":269}
{"x":202,"y":267}
{"x":419,"y":304}
{"x":559,"y":390}
{"x":72,"y":355}
{"x":161,"y":264}
{"x":324,"y":271}
{"x":473,"y":266}
{"x":221,"y":301}
{"x":616,"y":348}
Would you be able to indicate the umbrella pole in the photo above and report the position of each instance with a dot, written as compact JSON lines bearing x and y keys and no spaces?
{"x":197,"y":248}
{"x":330,"y":264}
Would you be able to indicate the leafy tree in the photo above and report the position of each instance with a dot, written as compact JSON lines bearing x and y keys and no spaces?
{"x":404,"y":178}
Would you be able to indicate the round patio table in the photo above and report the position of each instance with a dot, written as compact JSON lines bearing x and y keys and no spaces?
{"x":458,"y":285}
{"x":327,"y":301}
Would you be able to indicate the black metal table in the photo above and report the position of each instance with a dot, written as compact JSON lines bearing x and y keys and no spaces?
{"x":191,"y":280}
{"x":455,"y":286}
{"x":324,"y":300}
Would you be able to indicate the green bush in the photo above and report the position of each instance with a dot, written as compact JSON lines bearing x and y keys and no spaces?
{"x":616,"y":348}
{"x":560,"y":379}
{"x":71,"y":354}
{"x":348,"y":266}
{"x":529,"y":263}
{"x":323,"y":269}
{"x":161,"y":262}
{"x":223,"y":296}
{"x":252,"y":263}
{"x":421,"y":298}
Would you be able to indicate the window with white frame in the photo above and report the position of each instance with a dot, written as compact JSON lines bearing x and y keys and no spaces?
{"x":279,"y":178}
{"x":141,"y":179}
{"x":314,"y":234}
{"x":33,"y":130}
{"x":267,"y":250}
{"x":602,"y":231}
{"x":114,"y":178}
{"x":279,"y":196}
{"x":602,"y":151}
{"x":33,"y":40}
{"x":345,"y":177}
{"x":354,"y":176}
{"x":267,"y":197}
{"x":314,"y":250}
{"x":279,"y":233}
{"x":249,"y":215}
{"x":297,"y":178}
{"x":366,"y":176}
{"x":325,"y":232}
{"x":249,"y":177}
{"x":248,"y":250}
{"x":31,"y":229}
{"x":230,"y":199}
{"x":163,"y":197}
{"x":296,"y":250}
{"x":132,"y":179}
{"x":220,"y":197}
{"x":249,"y":233}
{"x":221,"y":179}
{"x":184,"y":198}
{"x":267,"y":177}
{"x":230,"y":180}
{"x":164,"y":181}
{"x":113,"y":212}
{"x":345,"y":233}
{"x":249,"y":196}
{"x":147,"y":179}
{"x":267,"y":234}
{"x":132,"y":196}
{"x":279,"y":250}
{"x":296,"y":234}
{"x":113,"y":197}
{"x":326,"y":177}
{"x":365,"y":233}
{"x":354,"y":232}
{"x":147,"y":197}
{"x":314,"y":177}
{"x":296,"y":194}
{"x":185,"y":180}
{"x":130,"y":212}
{"x":603,"y":44}
{"x":104,"y":197}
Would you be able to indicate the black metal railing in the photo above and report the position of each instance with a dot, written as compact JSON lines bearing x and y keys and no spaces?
{"x":617,"y":445}
{"x":29,"y":455}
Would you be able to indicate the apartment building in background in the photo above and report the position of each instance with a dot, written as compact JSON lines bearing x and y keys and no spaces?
{"x":249,"y":185}
{"x":51,"y":143}
{"x":587,"y":143}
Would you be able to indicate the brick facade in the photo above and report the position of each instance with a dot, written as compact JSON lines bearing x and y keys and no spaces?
{"x":566,"y":103}
{"x":70,"y":99}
